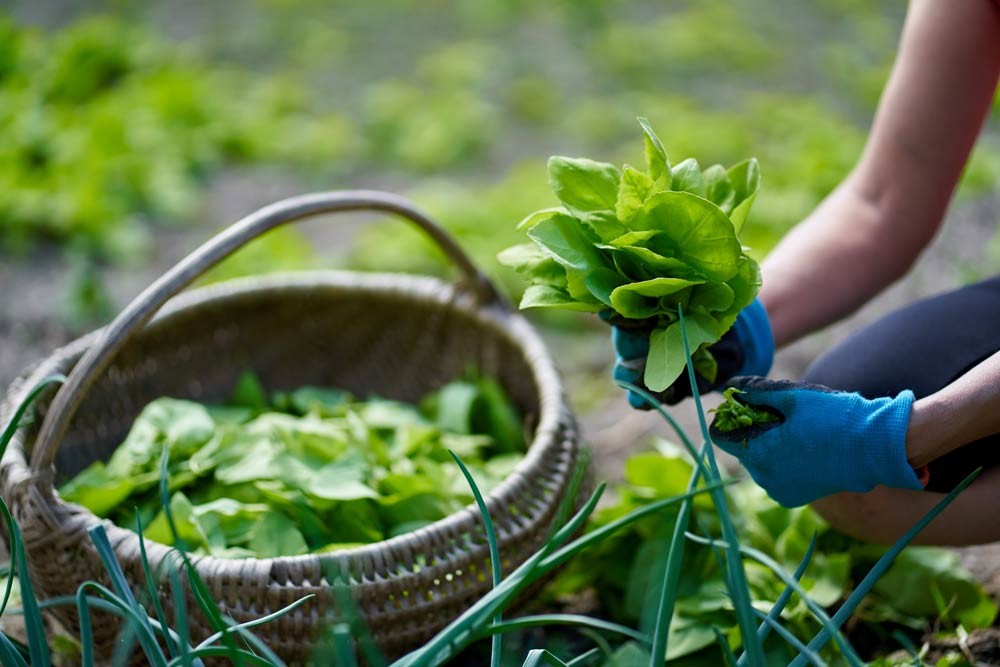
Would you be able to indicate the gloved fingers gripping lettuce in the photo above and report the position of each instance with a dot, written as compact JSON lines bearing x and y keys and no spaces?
{"x":639,"y":245}
{"x":736,"y":415}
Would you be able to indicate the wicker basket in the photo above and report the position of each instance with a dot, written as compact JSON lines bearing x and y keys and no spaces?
{"x":395,"y":335}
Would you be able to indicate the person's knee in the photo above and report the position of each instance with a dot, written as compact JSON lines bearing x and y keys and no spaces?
{"x":870,"y":517}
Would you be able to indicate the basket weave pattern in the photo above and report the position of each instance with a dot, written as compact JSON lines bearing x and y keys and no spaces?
{"x":396,"y":336}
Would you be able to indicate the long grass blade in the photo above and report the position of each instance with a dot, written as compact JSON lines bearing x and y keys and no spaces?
{"x":670,"y":578}
{"x":779,"y":605}
{"x":121,"y":587}
{"x":15,"y":421}
{"x":491,"y":538}
{"x":572,"y":491}
{"x":699,"y":459}
{"x":86,"y":630}
{"x":594,"y":536}
{"x":38,"y":648}
{"x":672,"y":572}
{"x":254,"y":623}
{"x":224,"y":652}
{"x":727,"y":650}
{"x":100,"y":604}
{"x":675,"y":553}
{"x":540,"y":656}
{"x":124,"y":646}
{"x":342,"y":650}
{"x":542,"y":620}
{"x":584,"y":658}
{"x":577,"y":521}
{"x":880,"y":567}
{"x":736,"y":576}
{"x":9,"y":655}
{"x":457,"y":633}
{"x":8,"y":434}
{"x":198,"y":589}
{"x":181,"y":617}
{"x":154,"y":596}
{"x":136,"y":618}
{"x":792,"y":640}
{"x":821,"y":616}
{"x":362,"y":635}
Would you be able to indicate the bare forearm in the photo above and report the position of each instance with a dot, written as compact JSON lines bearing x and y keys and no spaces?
{"x":869,"y":231}
{"x":829,"y":265}
{"x":963,"y":412}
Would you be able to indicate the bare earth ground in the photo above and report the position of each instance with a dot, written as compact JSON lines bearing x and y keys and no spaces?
{"x":31,"y":290}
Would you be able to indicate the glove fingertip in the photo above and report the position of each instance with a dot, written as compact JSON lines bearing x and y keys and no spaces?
{"x":629,"y":345}
{"x":756,"y":389}
{"x":638,"y":402}
{"x":742,"y":382}
{"x":622,"y":373}
{"x":725,"y":442}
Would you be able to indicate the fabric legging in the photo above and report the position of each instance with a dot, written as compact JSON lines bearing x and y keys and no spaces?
{"x":923,"y":347}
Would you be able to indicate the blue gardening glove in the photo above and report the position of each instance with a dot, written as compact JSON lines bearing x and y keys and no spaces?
{"x":746,"y":349}
{"x":822,"y":441}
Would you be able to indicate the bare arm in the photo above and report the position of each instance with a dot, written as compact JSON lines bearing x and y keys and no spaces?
{"x":963,"y":412}
{"x":868,"y":232}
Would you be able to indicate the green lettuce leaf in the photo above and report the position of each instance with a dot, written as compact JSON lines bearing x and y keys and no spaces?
{"x":567,"y":241}
{"x":634,"y":190}
{"x":657,"y":162}
{"x":700,"y":233}
{"x":664,"y":365}
{"x":584,"y":185}
{"x":687,"y":177}
{"x":745,"y":178}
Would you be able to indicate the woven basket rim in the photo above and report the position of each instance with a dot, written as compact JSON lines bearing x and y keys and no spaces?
{"x":430,"y":290}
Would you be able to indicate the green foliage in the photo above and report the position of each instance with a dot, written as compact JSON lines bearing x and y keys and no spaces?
{"x":309,"y":470}
{"x":640,"y":245}
{"x":92,"y":153}
{"x":784,"y":535}
{"x":704,"y":603}
{"x":441,"y":119}
{"x":104,"y":125}
{"x":733,"y":414}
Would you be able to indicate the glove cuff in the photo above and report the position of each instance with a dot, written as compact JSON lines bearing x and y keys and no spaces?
{"x":753,"y":329}
{"x":891,"y":421}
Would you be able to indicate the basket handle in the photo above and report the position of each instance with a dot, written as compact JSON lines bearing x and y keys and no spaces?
{"x":99,"y":356}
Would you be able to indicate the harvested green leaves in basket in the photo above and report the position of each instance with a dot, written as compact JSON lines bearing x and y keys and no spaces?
{"x":639,"y":244}
{"x":310,"y":470}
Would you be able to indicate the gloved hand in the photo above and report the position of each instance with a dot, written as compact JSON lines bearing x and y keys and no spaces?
{"x":746,"y":349}
{"x":823,"y":442}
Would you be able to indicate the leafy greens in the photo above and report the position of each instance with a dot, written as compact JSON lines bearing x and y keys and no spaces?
{"x":924,"y":584}
{"x":309,"y":470}
{"x":733,"y":414}
{"x":639,"y":245}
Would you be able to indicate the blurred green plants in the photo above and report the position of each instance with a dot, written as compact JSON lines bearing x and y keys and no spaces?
{"x":108,"y":127}
{"x":105,"y":126}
